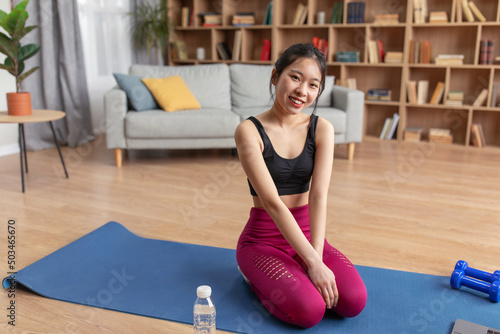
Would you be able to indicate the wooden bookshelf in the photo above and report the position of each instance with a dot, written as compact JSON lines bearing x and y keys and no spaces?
{"x":458,"y":36}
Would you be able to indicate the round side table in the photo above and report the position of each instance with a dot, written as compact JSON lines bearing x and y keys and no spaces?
{"x":37,"y":116}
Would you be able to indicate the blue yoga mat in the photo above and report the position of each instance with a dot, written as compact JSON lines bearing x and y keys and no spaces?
{"x":115,"y":269}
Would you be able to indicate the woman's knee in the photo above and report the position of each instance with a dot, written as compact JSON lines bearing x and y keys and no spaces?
{"x":352,"y":303}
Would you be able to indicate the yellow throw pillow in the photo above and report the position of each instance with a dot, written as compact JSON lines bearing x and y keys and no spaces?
{"x":171,"y":93}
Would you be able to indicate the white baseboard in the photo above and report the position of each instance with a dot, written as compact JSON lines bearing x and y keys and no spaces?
{"x":9,"y":149}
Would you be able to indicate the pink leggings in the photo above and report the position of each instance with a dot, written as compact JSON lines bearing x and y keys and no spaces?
{"x":280,"y":282}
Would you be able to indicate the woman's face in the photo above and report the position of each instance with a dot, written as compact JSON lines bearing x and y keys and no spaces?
{"x":298,"y":86}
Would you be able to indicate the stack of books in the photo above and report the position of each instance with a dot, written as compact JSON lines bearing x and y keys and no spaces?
{"x":338,"y":12}
{"x":412,"y":134}
{"x":211,"y":19}
{"x":438,"y":17}
{"x":449,"y":59}
{"x":393,"y":57}
{"x":348,"y":56}
{"x":356,"y":12}
{"x":377,"y":94}
{"x":243,"y":19}
{"x":443,"y":136}
{"x":454,"y":98}
{"x":386,"y":19}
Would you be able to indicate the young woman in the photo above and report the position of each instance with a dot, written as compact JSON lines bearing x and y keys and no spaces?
{"x":287,"y":156}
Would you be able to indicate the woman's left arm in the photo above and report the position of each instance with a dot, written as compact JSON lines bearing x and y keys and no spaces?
{"x":323,"y":164}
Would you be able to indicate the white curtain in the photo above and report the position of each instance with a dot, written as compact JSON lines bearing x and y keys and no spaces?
{"x":107,"y":44}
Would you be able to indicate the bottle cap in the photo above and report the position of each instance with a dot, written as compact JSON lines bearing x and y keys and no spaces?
{"x":204,"y":291}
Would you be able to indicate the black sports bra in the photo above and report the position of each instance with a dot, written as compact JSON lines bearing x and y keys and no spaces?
{"x":291,"y":176}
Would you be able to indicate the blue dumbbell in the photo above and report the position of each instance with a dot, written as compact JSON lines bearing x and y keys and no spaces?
{"x":459,"y":279}
{"x":479,"y":274}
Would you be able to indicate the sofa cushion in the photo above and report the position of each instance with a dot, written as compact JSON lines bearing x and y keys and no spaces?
{"x":250,"y":85}
{"x":335,"y":116}
{"x":205,"y":123}
{"x":326,"y":98}
{"x":138,"y":95}
{"x":171,"y":93}
{"x":209,"y":83}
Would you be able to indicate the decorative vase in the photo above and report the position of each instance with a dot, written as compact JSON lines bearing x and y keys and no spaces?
{"x":19,"y":104}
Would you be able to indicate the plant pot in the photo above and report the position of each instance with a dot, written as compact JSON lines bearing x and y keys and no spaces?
{"x":19,"y":104}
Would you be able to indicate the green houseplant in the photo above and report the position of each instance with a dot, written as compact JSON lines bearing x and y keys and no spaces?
{"x":152,"y":27}
{"x":19,"y":103}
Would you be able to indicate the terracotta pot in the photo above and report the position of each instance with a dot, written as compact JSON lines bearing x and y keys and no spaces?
{"x":19,"y":104}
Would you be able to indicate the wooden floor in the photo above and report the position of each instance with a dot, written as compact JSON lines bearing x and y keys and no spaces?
{"x":402,"y":206}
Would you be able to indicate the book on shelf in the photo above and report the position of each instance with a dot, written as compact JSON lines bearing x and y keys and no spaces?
{"x":348,"y":56}
{"x":243,"y":19}
{"x":420,"y":52}
{"x":419,"y":11}
{"x":265,"y":53}
{"x":268,"y":16}
{"x":373,"y":57}
{"x":443,"y":136}
{"x":467,"y":11}
{"x":356,"y":12}
{"x":458,"y":12}
{"x":385,"y":128}
{"x":223,"y":51}
{"x":411,"y":88}
{"x":438,"y":93}
{"x":300,"y":14}
{"x":449,"y":59}
{"x":348,"y":83}
{"x":386,"y":19}
{"x":379,"y":94}
{"x":477,"y":135}
{"x":481,"y":98}
{"x":438,"y":17}
{"x":179,"y":50}
{"x":422,"y":91}
{"x":337,"y":12}
{"x":394,"y":124}
{"x":494,"y":94}
{"x":477,"y":13}
{"x":393,"y":57}
{"x":185,"y":17}
{"x":486,"y":48}
{"x":413,"y":134}
{"x":237,"y":45}
{"x":389,"y":127}
{"x":322,"y":45}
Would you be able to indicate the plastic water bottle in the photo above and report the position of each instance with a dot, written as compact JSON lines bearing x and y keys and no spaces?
{"x":204,"y":311}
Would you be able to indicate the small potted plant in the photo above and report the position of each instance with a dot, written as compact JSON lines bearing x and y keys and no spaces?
{"x":18,"y":103}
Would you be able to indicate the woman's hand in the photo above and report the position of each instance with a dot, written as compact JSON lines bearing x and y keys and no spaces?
{"x":324,"y":280}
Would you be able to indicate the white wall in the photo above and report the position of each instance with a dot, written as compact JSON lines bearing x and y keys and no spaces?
{"x":8,"y":132}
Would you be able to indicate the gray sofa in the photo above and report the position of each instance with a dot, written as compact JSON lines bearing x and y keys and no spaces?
{"x":227,"y":94}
